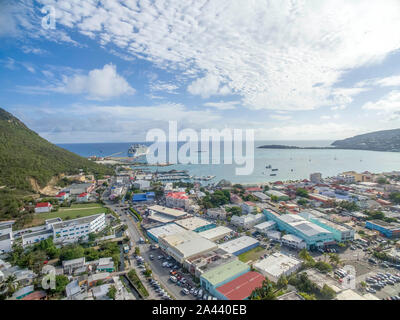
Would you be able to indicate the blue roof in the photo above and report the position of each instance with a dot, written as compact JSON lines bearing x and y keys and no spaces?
{"x":139,"y":197}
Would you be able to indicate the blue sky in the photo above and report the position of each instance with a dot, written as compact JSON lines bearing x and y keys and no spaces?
{"x":111,"y":70}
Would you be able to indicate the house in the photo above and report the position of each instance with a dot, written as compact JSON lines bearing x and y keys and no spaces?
{"x":248,"y":207}
{"x":105,"y":265}
{"x":100,"y":292}
{"x":42,"y":207}
{"x":216,"y":213}
{"x":83,"y":197}
{"x":177,"y":200}
{"x":72,"y":288}
{"x":70,"y":265}
{"x":94,"y":278}
{"x":61,"y":196}
{"x":23,"y":292}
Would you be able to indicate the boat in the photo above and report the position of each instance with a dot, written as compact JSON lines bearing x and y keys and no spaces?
{"x":273,"y":174}
{"x":268,"y":167}
{"x":274,"y":169}
{"x":137,"y":150}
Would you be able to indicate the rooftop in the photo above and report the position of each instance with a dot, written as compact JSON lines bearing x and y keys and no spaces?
{"x":277,"y":263}
{"x":83,"y":220}
{"x":168,"y":211}
{"x":225,"y":271}
{"x":241,"y":287}
{"x":192,"y":223}
{"x":238,"y":244}
{"x":165,"y":230}
{"x":214,"y":233}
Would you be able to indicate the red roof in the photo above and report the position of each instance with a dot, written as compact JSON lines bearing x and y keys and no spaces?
{"x":43,"y":205}
{"x":61,"y":194}
{"x":36,"y":295}
{"x":242,"y":287}
{"x":177,"y":195}
{"x":252,"y":189}
{"x":83,"y":194}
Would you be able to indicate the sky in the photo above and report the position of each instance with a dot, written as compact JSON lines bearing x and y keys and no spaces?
{"x":109,"y":71}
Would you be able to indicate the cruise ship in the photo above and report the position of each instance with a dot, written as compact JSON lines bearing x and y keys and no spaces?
{"x":137,"y":150}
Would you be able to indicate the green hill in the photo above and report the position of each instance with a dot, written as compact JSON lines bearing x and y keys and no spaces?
{"x":385,"y":140}
{"x":26,"y":157}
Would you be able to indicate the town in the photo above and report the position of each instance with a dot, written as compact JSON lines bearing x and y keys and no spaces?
{"x":143,"y":235}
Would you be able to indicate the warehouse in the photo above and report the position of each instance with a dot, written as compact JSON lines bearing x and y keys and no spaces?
{"x":216,"y":233}
{"x":389,"y":230}
{"x":222,"y":274}
{"x":195,"y":224}
{"x":276,"y":265}
{"x":280,"y":195}
{"x":165,"y":215}
{"x":165,"y":230}
{"x":239,"y":245}
{"x":184,"y":245}
{"x":247,"y":221}
{"x":241,"y":287}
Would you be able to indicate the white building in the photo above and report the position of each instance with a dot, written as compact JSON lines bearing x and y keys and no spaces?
{"x":276,"y":265}
{"x":43,"y":207}
{"x":316,"y":177}
{"x":248,"y":207}
{"x":216,"y":213}
{"x":66,"y":231}
{"x":247,"y":221}
{"x":141,"y":184}
{"x":265,"y":226}
{"x":293,"y":241}
{"x":239,"y":245}
{"x":177,"y":200}
{"x":216,"y":233}
{"x":6,"y":236}
{"x":184,"y":245}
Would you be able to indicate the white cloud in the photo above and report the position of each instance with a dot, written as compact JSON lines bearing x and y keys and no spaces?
{"x":164,"y":86}
{"x":207,"y":86}
{"x":281,"y":55}
{"x":222,"y":105}
{"x":387,"y":104}
{"x":280,"y":117}
{"x":392,"y":81}
{"x":98,"y":84}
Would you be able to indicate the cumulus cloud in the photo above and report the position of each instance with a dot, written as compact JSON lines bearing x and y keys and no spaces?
{"x":98,"y":84}
{"x":280,"y":117}
{"x":164,"y":87}
{"x":387,"y":104}
{"x":280,"y":55}
{"x":392,"y":81}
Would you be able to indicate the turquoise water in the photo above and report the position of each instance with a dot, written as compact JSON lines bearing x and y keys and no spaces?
{"x":291,"y":164}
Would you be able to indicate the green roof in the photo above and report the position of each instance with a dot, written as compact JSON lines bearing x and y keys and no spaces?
{"x":226,"y":271}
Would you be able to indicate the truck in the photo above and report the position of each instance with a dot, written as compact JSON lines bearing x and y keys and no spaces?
{"x":126,"y":248}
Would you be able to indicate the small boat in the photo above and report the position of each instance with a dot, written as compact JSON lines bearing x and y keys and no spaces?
{"x":268,"y":167}
{"x":274,"y":169}
{"x":291,"y":170}
{"x":273,"y":174}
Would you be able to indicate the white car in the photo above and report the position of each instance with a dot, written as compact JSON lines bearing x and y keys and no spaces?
{"x":185,"y":291}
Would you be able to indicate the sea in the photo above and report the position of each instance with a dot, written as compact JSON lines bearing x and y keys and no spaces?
{"x":292,"y":164}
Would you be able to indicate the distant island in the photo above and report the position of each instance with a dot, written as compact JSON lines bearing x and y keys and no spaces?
{"x":384,"y":140}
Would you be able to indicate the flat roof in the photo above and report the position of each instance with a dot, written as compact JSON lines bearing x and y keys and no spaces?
{"x":277,"y":263}
{"x":214,"y":233}
{"x":83,"y":220}
{"x":35,"y":234}
{"x":238,"y":244}
{"x":241,"y":287}
{"x":160,"y":218}
{"x":165,"y":230}
{"x":168,"y":211}
{"x":225,"y":271}
{"x":265,"y":224}
{"x":192,"y":223}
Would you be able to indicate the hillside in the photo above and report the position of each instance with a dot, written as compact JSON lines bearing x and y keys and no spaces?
{"x":386,"y":140}
{"x":26,"y":159}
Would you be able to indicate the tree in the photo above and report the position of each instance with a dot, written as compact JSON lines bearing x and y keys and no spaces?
{"x":112,"y":291}
{"x":327,"y":292}
{"x":274,"y":198}
{"x":306,"y":257}
{"x":323,"y":266}
{"x":282,"y":282}
{"x":302,"y":192}
{"x":235,"y":210}
{"x":302,"y":202}
{"x":265,"y":292}
{"x":334,"y":259}
{"x":61,"y":283}
{"x":137,"y":251}
{"x":395,"y":197}
{"x":382,"y":180}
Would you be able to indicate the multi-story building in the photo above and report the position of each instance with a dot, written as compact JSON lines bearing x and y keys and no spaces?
{"x":6,"y":236}
{"x":389,"y":230}
{"x":247,"y":221}
{"x":177,"y":200}
{"x":314,"y":235}
{"x":316,"y":177}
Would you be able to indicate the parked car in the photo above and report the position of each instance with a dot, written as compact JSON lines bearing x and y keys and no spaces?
{"x":173,"y":279}
{"x":185,"y":291}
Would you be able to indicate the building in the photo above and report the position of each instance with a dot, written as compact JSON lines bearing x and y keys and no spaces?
{"x":61,"y":196}
{"x":42,"y":207}
{"x":6,"y":236}
{"x":141,"y":184}
{"x":165,"y":215}
{"x":389,"y":230}
{"x":96,"y":277}
{"x":66,"y":231}
{"x":217,"y":213}
{"x":261,"y":196}
{"x":177,"y":200}
{"x":248,"y":207}
{"x":83,"y":197}
{"x":280,"y":195}
{"x":314,"y":235}
{"x":341,"y":232}
{"x":143,"y":197}
{"x":105,"y":265}
{"x":239,"y":245}
{"x":165,"y":230}
{"x":293,"y":241}
{"x":265,"y":226}
{"x":78,"y":188}
{"x":70,"y":265}
{"x":316,"y":177}
{"x":100,"y":292}
{"x":247,"y":221}
{"x":23,"y":292}
{"x":321,"y":198}
{"x":276,"y":265}
{"x":292,"y":295}
{"x":241,"y":287}
{"x":195,"y":224}
{"x":216,"y":233}
{"x":222,"y":274}
{"x":185,"y":245}
{"x":205,"y":262}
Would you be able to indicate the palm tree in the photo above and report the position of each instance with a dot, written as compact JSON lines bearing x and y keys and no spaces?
{"x":334,"y":259}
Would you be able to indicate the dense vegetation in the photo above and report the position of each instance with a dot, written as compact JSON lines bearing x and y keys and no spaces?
{"x":24,"y":154}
